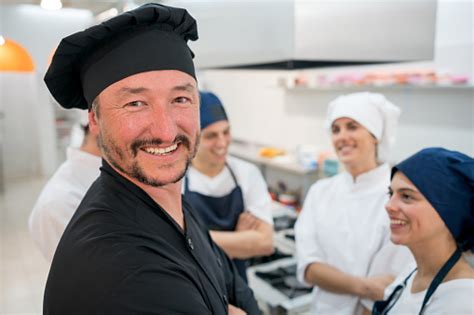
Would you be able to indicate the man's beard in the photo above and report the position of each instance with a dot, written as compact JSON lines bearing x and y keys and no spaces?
{"x":111,"y":151}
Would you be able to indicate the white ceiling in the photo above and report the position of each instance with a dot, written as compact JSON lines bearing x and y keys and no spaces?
{"x":96,"y":6}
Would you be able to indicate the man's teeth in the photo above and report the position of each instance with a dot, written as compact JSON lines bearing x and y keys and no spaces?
{"x":398,"y":222}
{"x":158,"y":151}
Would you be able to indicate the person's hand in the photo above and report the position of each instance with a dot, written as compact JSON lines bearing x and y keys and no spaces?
{"x":247,"y":221}
{"x":375,"y":286}
{"x":235,"y":310}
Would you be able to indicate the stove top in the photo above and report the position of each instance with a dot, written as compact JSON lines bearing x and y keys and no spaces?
{"x":284,"y":280}
{"x":277,"y":254}
{"x":284,"y":222}
{"x":275,"y":285}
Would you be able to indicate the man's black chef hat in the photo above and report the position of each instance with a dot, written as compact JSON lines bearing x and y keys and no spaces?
{"x":151,"y":37}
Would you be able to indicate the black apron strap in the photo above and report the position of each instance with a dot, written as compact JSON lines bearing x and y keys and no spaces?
{"x":382,"y":307}
{"x":440,"y":276}
{"x":186,"y":178}
{"x":232,"y":174}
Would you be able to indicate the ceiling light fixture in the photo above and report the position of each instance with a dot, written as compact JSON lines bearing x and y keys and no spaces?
{"x":14,"y":58}
{"x":51,"y":4}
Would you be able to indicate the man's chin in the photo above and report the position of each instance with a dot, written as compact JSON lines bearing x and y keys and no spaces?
{"x":161,"y":177}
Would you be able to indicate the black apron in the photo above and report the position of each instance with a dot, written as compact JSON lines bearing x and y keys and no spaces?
{"x":383,"y":307}
{"x":220,"y":213}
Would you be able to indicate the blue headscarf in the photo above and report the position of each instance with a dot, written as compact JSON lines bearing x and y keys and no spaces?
{"x":211,"y":109}
{"x":446,"y":179}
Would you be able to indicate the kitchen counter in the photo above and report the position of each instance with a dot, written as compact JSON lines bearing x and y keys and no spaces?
{"x":288,"y":162}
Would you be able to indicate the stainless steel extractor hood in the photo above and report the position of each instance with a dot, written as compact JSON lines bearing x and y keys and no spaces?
{"x":252,"y":33}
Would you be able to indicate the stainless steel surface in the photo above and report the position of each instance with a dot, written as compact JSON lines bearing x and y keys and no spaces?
{"x":355,"y":30}
{"x":280,"y":293}
{"x":236,"y":33}
{"x":277,"y":302}
{"x":239,"y":33}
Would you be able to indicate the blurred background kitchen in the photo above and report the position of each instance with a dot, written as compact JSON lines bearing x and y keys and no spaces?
{"x":275,"y":65}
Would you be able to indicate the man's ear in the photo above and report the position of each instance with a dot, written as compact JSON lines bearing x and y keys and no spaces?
{"x":93,"y":123}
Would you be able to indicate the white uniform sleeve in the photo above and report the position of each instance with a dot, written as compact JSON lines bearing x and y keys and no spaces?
{"x":256,"y":197}
{"x":47,"y":222}
{"x":392,"y":259}
{"x":307,"y":243}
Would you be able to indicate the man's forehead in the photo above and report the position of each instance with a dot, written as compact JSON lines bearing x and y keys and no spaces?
{"x":171,"y":80}
{"x":218,"y":126}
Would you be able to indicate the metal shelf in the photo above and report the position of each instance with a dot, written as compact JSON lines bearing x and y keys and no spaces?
{"x":379,"y":87}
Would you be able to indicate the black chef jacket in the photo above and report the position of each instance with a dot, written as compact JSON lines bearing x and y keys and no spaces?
{"x":123,"y":254}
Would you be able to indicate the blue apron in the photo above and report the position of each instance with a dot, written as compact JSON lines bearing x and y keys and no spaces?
{"x":383,"y":307}
{"x":220,"y":213}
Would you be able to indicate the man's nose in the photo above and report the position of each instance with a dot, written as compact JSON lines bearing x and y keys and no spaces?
{"x":163,"y":124}
{"x":221,"y":140}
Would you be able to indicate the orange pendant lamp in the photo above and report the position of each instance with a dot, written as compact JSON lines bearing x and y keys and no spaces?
{"x":14,"y":58}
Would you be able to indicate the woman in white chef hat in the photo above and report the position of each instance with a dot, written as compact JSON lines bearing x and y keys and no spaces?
{"x":342,"y":233}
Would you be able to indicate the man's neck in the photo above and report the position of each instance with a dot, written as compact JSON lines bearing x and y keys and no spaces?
{"x":168,"y":196}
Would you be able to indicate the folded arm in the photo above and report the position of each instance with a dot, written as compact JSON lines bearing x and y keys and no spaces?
{"x":252,"y":237}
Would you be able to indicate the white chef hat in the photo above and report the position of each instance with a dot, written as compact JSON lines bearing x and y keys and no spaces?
{"x":374,"y":112}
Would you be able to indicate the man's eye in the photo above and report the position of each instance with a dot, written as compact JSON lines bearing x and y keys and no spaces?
{"x":210,"y":136}
{"x":335,"y":130}
{"x":182,"y":100}
{"x":134,"y":104}
{"x":406,"y":197}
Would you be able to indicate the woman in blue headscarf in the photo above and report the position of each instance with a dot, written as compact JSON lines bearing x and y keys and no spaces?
{"x":431,"y":211}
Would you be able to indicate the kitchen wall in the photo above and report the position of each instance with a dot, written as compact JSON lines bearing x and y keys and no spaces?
{"x":29,"y":146}
{"x":263,"y":111}
{"x":260,"y":109}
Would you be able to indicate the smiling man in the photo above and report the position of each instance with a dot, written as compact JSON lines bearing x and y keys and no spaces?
{"x":134,"y":246}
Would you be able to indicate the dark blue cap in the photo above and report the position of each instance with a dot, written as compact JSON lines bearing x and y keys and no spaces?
{"x":211,"y":109}
{"x":446,"y":179}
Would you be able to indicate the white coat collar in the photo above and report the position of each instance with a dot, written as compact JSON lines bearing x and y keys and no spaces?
{"x":378,"y":178}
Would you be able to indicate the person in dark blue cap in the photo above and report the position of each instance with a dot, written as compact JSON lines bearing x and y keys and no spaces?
{"x":134,"y":246}
{"x":431,"y":211}
{"x":230,"y":194}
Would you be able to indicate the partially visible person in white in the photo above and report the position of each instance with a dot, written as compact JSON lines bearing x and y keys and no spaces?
{"x":432,"y":213}
{"x":63,"y":193}
{"x":343,"y":227}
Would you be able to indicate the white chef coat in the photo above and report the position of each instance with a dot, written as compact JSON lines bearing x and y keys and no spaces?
{"x":60,"y":198}
{"x":254,"y":189}
{"x":451,"y":297}
{"x":343,"y":224}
